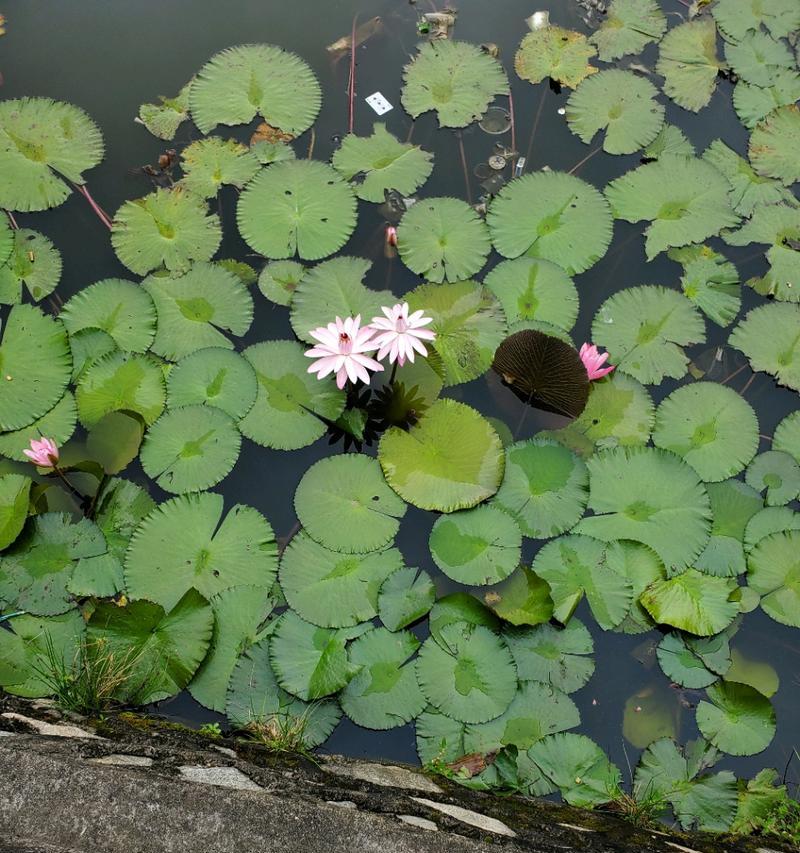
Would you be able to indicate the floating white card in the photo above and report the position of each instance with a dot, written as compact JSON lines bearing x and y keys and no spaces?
{"x":378,"y":103}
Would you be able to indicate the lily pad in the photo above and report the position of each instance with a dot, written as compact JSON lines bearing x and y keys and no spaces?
{"x":645,"y":329}
{"x":733,"y":504}
{"x":778,"y":474}
{"x":292,"y":406}
{"x":756,"y":57}
{"x":377,"y":163}
{"x":694,"y":662}
{"x":58,"y":424}
{"x":164,"y":118}
{"x":297,"y":207}
{"x":454,"y":78}
{"x":114,"y":441}
{"x":279,"y":279}
{"x":771,"y":519}
{"x":185,"y":543}
{"x":460,"y":607}
{"x":773,"y":150}
{"x":166,"y":229}
{"x":14,"y":492}
{"x":522,"y":599}
{"x":619,"y":102}
{"x":770,"y":339}
{"x":670,"y":140}
{"x":787,"y":436}
{"x":694,"y":602}
{"x":560,"y":54}
{"x":710,"y":281}
{"x":35,"y":263}
{"x":642,"y":567}
{"x":689,"y":64}
{"x":738,"y":17}
{"x":649,"y":714}
{"x":443,"y":239}
{"x":430,"y":470}
{"x":772,"y":573}
{"x":554,"y":216}
{"x":211,"y":162}
{"x":754,"y":103}
{"x":250,"y":80}
{"x":404,"y":597}
{"x":630,"y":25}
{"x":737,"y":718}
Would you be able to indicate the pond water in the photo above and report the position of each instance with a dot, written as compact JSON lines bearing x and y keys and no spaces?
{"x":109,"y":57}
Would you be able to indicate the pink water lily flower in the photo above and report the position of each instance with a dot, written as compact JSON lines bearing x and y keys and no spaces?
{"x":341,"y":350}
{"x":399,"y":333}
{"x":594,"y":360}
{"x":43,"y":453}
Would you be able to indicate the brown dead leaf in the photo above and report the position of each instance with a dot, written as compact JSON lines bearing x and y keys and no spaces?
{"x":267,"y":133}
{"x":472,"y":764}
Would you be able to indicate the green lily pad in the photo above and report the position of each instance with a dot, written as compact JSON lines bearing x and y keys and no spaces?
{"x":279,"y":279}
{"x":771,"y":519}
{"x":250,"y":80}
{"x":630,"y":25}
{"x":554,"y":216}
{"x":468,"y":673}
{"x":460,"y":607}
{"x":754,"y":103}
{"x":776,"y":472}
{"x":689,"y":64}
{"x":696,"y":603}
{"x":331,"y":589}
{"x":619,"y":102}
{"x":7,"y":239}
{"x":119,"y":509}
{"x":185,"y":543}
{"x":756,"y":57}
{"x":733,"y":504}
{"x":560,"y":54}
{"x":377,"y":163}
{"x":88,"y":346}
{"x":738,"y":17}
{"x":166,"y":229}
{"x":14,"y":492}
{"x":114,"y":441}
{"x":694,"y":662}
{"x":710,"y":281}
{"x":787,"y":436}
{"x":431,"y":471}
{"x":670,"y":140}
{"x":769,"y":338}
{"x":213,"y":377}
{"x":521,"y":599}
{"x":773,"y":149}
{"x":44,"y":145}
{"x":297,"y":207}
{"x":211,"y":162}
{"x":757,"y":674}
{"x":291,"y":403}
{"x":454,"y":78}
{"x":58,"y":424}
{"x":119,"y":308}
{"x":737,"y":718}
{"x":35,"y":263}
{"x":404,"y":597}
{"x":772,"y":572}
{"x":759,"y":798}
{"x":164,"y":118}
{"x":642,"y":567}
{"x":443,"y":239}
{"x":384,"y":694}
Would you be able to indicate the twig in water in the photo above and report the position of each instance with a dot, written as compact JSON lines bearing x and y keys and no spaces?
{"x":12,"y":221}
{"x":464,"y":166}
{"x":352,"y":84}
{"x":535,"y":124}
{"x":748,"y":384}
{"x":101,"y":214}
{"x":732,"y":375}
{"x":513,"y":124}
{"x":311,"y":143}
{"x":585,"y":160}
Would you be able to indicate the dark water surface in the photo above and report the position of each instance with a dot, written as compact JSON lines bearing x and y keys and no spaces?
{"x":109,"y":56}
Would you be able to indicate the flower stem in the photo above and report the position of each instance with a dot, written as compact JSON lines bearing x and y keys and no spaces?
{"x":352,"y":83}
{"x":101,"y":214}
{"x":75,"y":493}
{"x":394,"y":373}
{"x":12,"y":221}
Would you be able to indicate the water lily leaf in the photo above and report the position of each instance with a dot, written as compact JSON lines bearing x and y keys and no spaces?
{"x":778,"y":225}
{"x":430,"y":470}
{"x":627,"y":507}
{"x":545,"y":487}
{"x":757,"y":674}
{"x":536,"y":711}
{"x":165,"y":648}
{"x":642,"y":567}
{"x":476,"y":547}
{"x":670,"y":140}
{"x":190,"y":449}
{"x":443,"y":239}
{"x":384,"y":694}
{"x":35,"y":263}
{"x":335,"y":288}
{"x":7,"y":238}
{"x":14,"y":492}
{"x":36,"y":366}
{"x":773,"y":150}
{"x":619,"y":102}
{"x":35,"y":571}
{"x":169,"y":228}
{"x":710,"y":426}
{"x":119,"y":509}
{"x":694,"y":662}
{"x":787,"y":436}
{"x":738,"y":17}
{"x":310,"y":662}
{"x":733,"y":504}
{"x":377,"y":163}
{"x":331,"y":589}
{"x":560,"y":54}
{"x":164,"y":118}
{"x":772,"y":519}
{"x":254,"y":698}
{"x":689,"y":64}
{"x":772,"y":573}
{"x":776,"y":472}
{"x":460,"y":607}
{"x":196,"y":309}
{"x":573,"y":566}
{"x":629,"y":26}
{"x":44,"y":144}
{"x":57,"y":424}
{"x":710,"y":281}
{"x":469,"y":325}
{"x":554,"y":216}
{"x":214,"y":377}
{"x":291,"y":402}
{"x":297,"y":207}
{"x":279,"y":279}
{"x":768,"y":337}
{"x":270,"y":152}
{"x":404,"y":597}
{"x":756,"y":57}
{"x":737,"y":718}
{"x":343,"y":503}
{"x":645,"y":329}
{"x":694,"y":602}
{"x":754,"y":103}
{"x":88,"y":346}
{"x":114,"y":441}
{"x":439,"y":738}
{"x":239,"y":612}
{"x":522,"y":599}
{"x":454,"y":78}
{"x":534,"y":289}
{"x":578,"y":767}
{"x":685,"y":198}
{"x":468,"y":673}
{"x":209,"y":163}
{"x":121,"y":382}
{"x":759,"y":797}
{"x":120,"y":308}
{"x":250,"y":80}
{"x":672,"y":775}
{"x":185,"y":543}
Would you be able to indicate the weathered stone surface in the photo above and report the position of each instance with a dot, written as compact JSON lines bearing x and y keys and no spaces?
{"x":482,"y":821}
{"x":419,"y":822}
{"x":49,"y":729}
{"x":115,"y":760}
{"x":386,"y":775}
{"x":222,"y":777}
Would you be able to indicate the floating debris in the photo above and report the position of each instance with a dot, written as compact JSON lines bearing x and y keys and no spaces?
{"x":372,"y":27}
